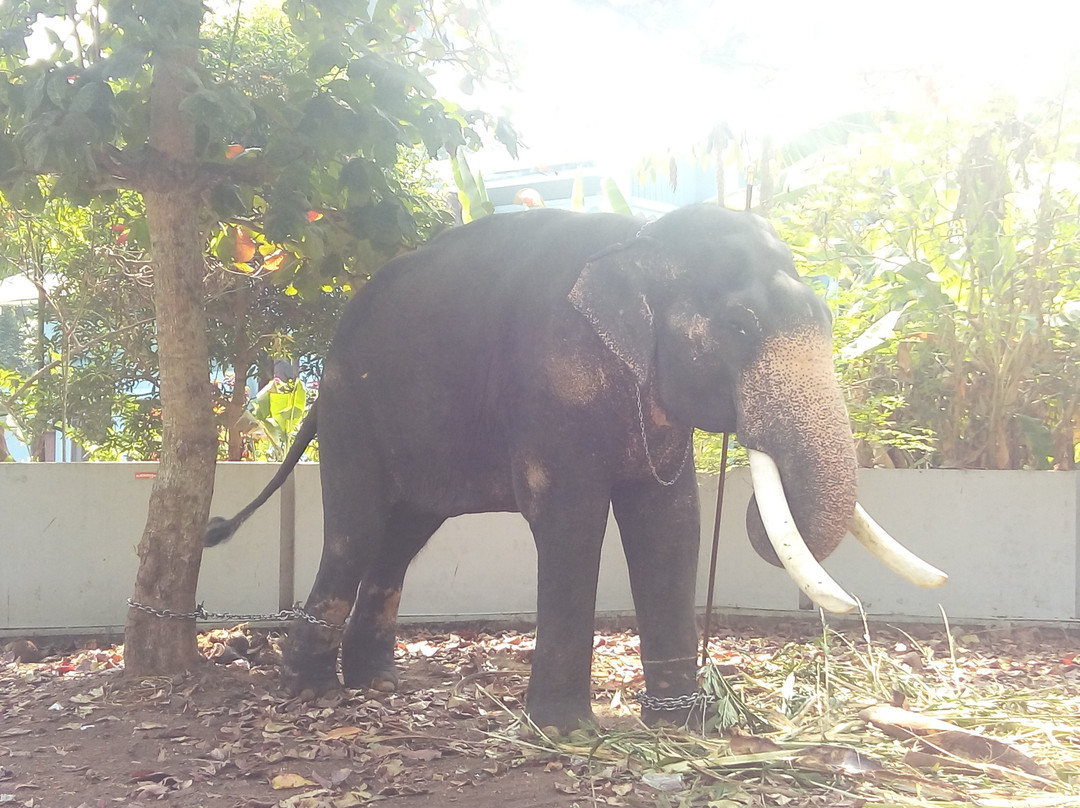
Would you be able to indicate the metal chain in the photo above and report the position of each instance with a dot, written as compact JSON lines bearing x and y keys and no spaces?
{"x":654,"y":703}
{"x":673,"y":703}
{"x":648,"y":454}
{"x":295,"y":613}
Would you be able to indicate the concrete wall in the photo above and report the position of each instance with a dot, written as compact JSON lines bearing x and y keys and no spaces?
{"x":68,"y":537}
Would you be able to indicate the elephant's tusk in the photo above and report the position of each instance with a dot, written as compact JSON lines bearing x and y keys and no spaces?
{"x":892,"y":553}
{"x":792,"y":551}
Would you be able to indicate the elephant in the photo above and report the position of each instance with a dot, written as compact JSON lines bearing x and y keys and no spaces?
{"x":556,"y":363}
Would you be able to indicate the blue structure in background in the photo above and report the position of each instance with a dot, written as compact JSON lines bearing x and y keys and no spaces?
{"x":649,"y":193}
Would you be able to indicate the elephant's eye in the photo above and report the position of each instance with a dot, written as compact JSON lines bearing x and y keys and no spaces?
{"x":734,"y":328}
{"x":737,"y":321}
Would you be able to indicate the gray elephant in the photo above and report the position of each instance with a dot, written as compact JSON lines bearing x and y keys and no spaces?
{"x":556,"y":364}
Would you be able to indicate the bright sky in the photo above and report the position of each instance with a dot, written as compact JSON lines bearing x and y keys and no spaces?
{"x":596,"y":83}
{"x":612,"y":80}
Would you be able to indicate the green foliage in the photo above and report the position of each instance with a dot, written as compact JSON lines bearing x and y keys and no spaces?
{"x":947,"y":249}
{"x":471,"y":191}
{"x":314,"y":125}
{"x":279,"y":408}
{"x":616,"y":201}
{"x":709,"y":452}
{"x":15,"y":330}
{"x":96,"y":345}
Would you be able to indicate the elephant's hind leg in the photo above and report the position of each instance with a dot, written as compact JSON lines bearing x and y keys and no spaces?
{"x":367,"y":650}
{"x":354,"y":526}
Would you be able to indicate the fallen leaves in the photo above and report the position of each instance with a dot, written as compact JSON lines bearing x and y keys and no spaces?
{"x":158,"y":785}
{"x":283,"y":781}
{"x":229,"y":736}
{"x":946,"y":745}
{"x":801,"y":698}
{"x":341,"y":733}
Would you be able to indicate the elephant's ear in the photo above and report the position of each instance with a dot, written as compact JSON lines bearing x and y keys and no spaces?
{"x":610,"y":295}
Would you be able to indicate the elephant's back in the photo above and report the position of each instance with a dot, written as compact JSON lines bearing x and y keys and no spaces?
{"x":541,"y":249}
{"x":470,"y":280}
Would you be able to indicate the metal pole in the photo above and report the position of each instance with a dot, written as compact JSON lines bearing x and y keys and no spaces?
{"x":706,"y":628}
{"x":287,"y":546}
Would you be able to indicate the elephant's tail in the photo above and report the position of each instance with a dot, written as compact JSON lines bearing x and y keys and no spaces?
{"x":219,"y":529}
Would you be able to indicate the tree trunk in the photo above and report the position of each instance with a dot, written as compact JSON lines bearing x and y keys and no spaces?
{"x":1065,"y":437}
{"x":171,"y":545}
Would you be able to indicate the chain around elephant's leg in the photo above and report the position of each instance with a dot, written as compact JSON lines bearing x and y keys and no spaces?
{"x":309,"y":656}
{"x":660,"y":535}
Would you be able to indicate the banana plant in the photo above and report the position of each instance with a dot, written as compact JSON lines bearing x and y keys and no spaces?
{"x":279,"y":408}
{"x":471,"y":191}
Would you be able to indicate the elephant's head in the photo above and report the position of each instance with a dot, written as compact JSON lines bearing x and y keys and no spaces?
{"x":706,"y":305}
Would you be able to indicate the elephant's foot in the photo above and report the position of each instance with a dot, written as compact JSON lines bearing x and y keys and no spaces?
{"x":563,"y":713}
{"x":676,"y":718}
{"x":385,"y":680}
{"x":563,"y":718}
{"x":671,"y":695}
{"x":309,"y":673}
{"x":374,"y":670}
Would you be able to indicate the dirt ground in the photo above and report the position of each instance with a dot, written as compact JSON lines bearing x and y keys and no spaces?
{"x":75,"y":732}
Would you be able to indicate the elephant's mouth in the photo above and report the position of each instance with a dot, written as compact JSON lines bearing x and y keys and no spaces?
{"x":795,"y":556}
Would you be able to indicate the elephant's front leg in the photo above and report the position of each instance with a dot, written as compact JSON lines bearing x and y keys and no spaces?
{"x":660,"y":531}
{"x":568,"y":526}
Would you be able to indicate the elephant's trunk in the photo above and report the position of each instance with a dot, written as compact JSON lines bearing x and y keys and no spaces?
{"x":791,"y":408}
{"x":793,"y":420}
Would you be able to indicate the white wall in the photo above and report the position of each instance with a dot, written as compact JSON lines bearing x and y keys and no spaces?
{"x":68,"y":537}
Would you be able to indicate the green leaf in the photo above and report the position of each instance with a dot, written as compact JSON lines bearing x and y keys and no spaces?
{"x":58,"y":88}
{"x":225,"y":248}
{"x":469,"y":192}
{"x":327,"y":55}
{"x":1039,"y":439}
{"x":8,"y":156}
{"x":94,"y":100}
{"x":481,"y":189}
{"x":279,"y":408}
{"x":577,"y":193}
{"x":880,"y":331}
{"x":615,"y":198}
{"x":226,"y":201}
{"x":287,"y":406}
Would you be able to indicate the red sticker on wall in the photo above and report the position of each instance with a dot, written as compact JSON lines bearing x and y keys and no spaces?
{"x":145,"y":475}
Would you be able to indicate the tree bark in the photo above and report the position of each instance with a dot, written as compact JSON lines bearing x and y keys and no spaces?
{"x":171,"y":547}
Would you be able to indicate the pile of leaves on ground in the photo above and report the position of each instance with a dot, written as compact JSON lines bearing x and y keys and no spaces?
{"x":798,"y":714}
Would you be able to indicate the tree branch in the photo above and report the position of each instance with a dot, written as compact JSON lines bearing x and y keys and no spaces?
{"x":147,"y":169}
